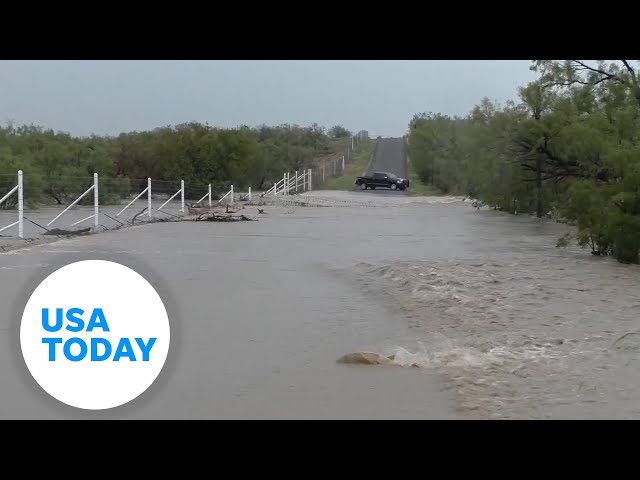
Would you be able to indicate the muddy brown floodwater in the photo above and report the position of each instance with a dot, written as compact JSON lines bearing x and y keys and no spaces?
{"x":500,"y":322}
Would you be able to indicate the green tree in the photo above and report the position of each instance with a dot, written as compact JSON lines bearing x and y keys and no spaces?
{"x":338,"y":131}
{"x":569,"y":145}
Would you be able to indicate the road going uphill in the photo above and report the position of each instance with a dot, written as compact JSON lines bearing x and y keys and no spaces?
{"x":389,"y":156}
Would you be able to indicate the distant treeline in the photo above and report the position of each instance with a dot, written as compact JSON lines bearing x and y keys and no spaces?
{"x":57,"y":165}
{"x":568,"y":147}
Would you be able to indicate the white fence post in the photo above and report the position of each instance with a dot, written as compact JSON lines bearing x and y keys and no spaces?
{"x":232,"y":199}
{"x":304,"y":181}
{"x":182,"y":195}
{"x":96,"y":201}
{"x":20,"y":205}
{"x":249,"y":193}
{"x":296,"y":180}
{"x":208,"y":194}
{"x":17,"y":188}
{"x":309,"y":179}
{"x":71,"y":206}
{"x":135,"y":199}
{"x":343,"y":163}
{"x":323,"y":174}
{"x":149,"y":195}
{"x":174,"y":196}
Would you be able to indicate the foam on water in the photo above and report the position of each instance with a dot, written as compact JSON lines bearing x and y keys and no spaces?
{"x":515,"y":327}
{"x":392,"y":199}
{"x":455,"y":357}
{"x":505,"y":340}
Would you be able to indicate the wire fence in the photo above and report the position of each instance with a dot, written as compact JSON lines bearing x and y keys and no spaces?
{"x":334,"y":165}
{"x":37,"y":204}
{"x":32,"y":205}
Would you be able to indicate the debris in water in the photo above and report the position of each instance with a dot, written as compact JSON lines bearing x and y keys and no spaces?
{"x":369,"y":358}
{"x":628,"y":341}
{"x":213,"y":217}
{"x":58,"y":231}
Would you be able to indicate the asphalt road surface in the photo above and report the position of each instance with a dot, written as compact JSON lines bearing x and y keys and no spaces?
{"x":389,"y":157}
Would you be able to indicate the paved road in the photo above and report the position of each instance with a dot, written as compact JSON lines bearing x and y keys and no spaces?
{"x":389,"y":157}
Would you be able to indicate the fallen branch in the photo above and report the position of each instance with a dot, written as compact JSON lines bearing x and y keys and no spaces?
{"x":628,"y":341}
{"x":60,"y":232}
{"x":212,"y":217}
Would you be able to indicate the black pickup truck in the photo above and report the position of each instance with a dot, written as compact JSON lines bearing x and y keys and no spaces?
{"x":382,"y":180}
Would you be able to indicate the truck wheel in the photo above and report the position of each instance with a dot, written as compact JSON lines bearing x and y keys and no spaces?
{"x":363,"y":186}
{"x":393,"y":186}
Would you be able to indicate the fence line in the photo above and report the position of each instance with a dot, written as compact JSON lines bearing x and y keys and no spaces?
{"x":284,"y":186}
{"x":95,"y":199}
{"x":208,"y":194}
{"x":228,"y":194}
{"x":181,"y":191}
{"x":299,"y":182}
{"x":334,"y":168}
{"x":229,"y":197}
{"x":147,"y":191}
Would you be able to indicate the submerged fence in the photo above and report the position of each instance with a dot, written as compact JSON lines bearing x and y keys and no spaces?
{"x":56,"y":203}
{"x":32,"y":204}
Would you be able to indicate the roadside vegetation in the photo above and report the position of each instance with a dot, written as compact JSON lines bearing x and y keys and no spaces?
{"x":416,"y":186}
{"x":58,"y":167}
{"x":353,"y":169}
{"x":568,"y":147}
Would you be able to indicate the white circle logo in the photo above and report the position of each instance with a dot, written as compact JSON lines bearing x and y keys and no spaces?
{"x":95,"y":334}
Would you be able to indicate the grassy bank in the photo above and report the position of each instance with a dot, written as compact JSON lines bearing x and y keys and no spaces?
{"x":353,"y":169}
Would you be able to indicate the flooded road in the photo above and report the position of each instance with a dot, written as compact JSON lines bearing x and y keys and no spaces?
{"x":500,"y":323}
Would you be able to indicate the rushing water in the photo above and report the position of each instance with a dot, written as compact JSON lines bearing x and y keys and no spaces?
{"x":501,"y":323}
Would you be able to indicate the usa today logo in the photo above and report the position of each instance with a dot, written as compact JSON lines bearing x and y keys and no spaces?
{"x":95,"y":334}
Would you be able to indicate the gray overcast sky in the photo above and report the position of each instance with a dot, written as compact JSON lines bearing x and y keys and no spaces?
{"x":381,"y":96}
